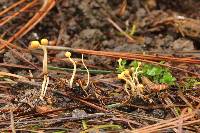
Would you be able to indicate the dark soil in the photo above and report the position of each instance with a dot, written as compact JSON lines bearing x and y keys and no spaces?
{"x":84,"y":24}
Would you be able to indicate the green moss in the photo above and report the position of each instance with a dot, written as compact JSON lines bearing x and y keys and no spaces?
{"x":157,"y":74}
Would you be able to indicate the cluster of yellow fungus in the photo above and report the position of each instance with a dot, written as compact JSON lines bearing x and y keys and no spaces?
{"x":42,"y":44}
{"x":131,"y":81}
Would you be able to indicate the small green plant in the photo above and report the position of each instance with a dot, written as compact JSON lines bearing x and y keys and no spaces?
{"x":130,"y":30}
{"x":190,"y":83}
{"x":157,"y":74}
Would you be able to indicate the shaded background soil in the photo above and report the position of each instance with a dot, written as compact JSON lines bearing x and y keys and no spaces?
{"x":84,"y":24}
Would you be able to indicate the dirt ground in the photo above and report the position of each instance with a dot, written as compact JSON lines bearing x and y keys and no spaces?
{"x":167,"y":28}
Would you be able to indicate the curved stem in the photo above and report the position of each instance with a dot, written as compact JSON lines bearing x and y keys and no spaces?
{"x":73,"y":75}
{"x":88,"y":74}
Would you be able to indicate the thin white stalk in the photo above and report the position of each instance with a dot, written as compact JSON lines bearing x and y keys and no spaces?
{"x":73,"y":74}
{"x":88,"y":74}
{"x":45,"y":72}
{"x":45,"y":69}
{"x":46,"y":82}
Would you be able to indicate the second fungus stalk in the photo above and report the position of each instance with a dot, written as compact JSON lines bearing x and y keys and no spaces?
{"x":128,"y":83}
{"x":88,"y":74}
{"x":68,"y":55}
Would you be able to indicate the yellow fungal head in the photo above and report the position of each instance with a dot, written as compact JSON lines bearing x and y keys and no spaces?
{"x":132,"y":69}
{"x":140,"y":86}
{"x":119,"y":60}
{"x":120,"y":76}
{"x":34,"y":44}
{"x":126,"y":72}
{"x":68,"y":54}
{"x":44,"y":42}
{"x":139,"y":64}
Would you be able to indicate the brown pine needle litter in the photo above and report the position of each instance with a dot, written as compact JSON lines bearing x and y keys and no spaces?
{"x":140,"y":71}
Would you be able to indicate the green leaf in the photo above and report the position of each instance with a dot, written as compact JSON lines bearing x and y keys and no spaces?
{"x":134,"y":64}
{"x":154,"y":71}
{"x":145,"y":68}
{"x":123,"y":63}
{"x":167,"y":78}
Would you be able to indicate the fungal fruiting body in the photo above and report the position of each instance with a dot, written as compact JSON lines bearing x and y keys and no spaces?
{"x":42,"y":45}
{"x":88,"y":74}
{"x":68,"y":55}
{"x":131,"y":81}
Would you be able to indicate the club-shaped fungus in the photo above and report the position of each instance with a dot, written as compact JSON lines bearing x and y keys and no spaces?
{"x":68,"y":55}
{"x":42,"y":45}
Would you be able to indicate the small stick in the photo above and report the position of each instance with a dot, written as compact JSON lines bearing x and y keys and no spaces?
{"x":120,"y":30}
{"x":12,"y":121}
